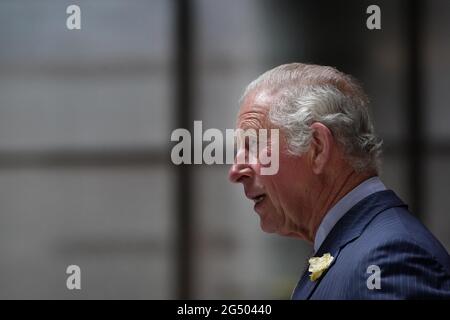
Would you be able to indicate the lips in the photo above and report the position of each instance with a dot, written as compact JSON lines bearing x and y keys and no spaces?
{"x":256,"y":198}
{"x":259,"y":199}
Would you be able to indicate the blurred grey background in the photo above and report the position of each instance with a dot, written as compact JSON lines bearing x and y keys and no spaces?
{"x":86,"y":117}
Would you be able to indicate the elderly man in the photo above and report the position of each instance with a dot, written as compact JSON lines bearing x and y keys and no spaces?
{"x":327,"y":191}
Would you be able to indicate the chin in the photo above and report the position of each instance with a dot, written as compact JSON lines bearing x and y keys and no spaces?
{"x":272,"y":228}
{"x":268,"y":227}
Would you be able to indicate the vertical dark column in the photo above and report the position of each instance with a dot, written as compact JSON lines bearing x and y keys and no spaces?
{"x":414,"y":104}
{"x":183,"y":90}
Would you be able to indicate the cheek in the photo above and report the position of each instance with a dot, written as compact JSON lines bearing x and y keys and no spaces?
{"x":278,"y":188}
{"x":291,"y":181}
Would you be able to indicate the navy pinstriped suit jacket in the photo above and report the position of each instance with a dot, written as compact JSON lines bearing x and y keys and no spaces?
{"x":379,"y":230}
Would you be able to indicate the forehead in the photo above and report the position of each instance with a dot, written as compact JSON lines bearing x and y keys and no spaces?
{"x":254,"y":110}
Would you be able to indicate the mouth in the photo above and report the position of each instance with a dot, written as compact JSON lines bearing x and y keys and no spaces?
{"x":257,"y":199}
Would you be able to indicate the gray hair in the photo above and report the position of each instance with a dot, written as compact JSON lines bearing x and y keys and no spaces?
{"x":305,"y":94}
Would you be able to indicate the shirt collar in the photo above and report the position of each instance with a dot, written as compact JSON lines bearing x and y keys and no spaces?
{"x":333,"y":215}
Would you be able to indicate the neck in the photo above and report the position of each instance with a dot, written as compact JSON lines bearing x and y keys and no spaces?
{"x":334,"y":189}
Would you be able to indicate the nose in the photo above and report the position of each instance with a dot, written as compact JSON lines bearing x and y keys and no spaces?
{"x":239,"y":171}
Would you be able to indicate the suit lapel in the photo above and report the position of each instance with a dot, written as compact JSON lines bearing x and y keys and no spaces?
{"x":348,"y":228}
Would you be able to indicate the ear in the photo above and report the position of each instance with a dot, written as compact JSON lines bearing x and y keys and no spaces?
{"x":321,"y":147}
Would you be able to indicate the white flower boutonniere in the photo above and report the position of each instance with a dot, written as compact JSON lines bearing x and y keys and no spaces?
{"x":317,"y":265}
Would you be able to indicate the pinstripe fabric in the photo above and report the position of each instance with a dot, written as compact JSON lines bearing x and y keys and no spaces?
{"x":379,"y":230}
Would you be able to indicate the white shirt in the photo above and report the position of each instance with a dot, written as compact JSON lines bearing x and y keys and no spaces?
{"x":363,"y":190}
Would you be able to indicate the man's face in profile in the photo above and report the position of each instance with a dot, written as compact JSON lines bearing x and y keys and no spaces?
{"x":281,"y":200}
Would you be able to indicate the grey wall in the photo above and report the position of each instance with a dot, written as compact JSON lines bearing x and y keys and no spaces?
{"x":85,"y":123}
